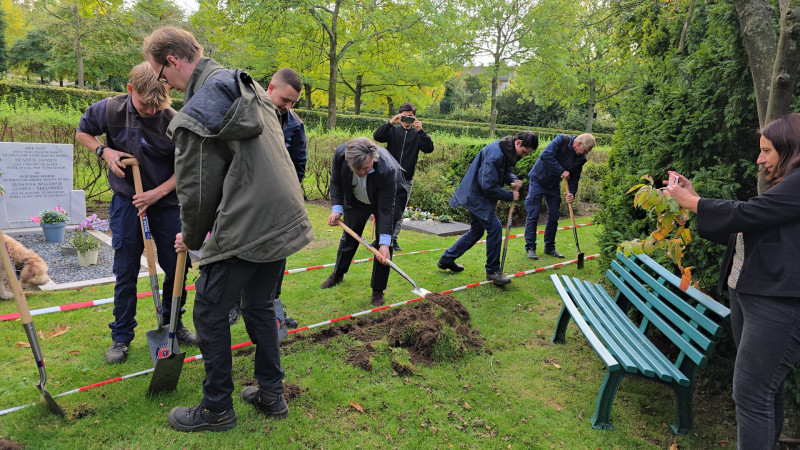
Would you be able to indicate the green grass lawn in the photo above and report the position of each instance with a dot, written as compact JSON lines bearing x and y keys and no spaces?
{"x":526,"y":393}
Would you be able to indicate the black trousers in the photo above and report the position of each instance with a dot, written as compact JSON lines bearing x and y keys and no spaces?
{"x":219,"y":288}
{"x":356,"y":218}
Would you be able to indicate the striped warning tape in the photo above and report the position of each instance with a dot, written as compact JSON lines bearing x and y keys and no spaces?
{"x":297,"y":330}
{"x":68,"y":307}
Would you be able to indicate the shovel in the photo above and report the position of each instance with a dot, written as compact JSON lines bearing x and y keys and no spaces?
{"x":574,"y":229}
{"x":157,"y":338}
{"x":508,"y":233}
{"x":417,"y":290}
{"x":170,"y":359}
{"x":27,"y":325}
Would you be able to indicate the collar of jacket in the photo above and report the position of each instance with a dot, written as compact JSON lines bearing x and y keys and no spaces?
{"x":200,"y":75}
{"x":509,"y":149}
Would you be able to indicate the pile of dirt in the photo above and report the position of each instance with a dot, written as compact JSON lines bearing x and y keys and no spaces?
{"x":422,"y":332}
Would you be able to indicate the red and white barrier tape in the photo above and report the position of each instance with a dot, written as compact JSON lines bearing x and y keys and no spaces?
{"x":297,"y":330}
{"x":52,"y":309}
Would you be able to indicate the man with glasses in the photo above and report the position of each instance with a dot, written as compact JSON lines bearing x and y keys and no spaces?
{"x":135,"y":124}
{"x":479,"y":191}
{"x":562,"y":159}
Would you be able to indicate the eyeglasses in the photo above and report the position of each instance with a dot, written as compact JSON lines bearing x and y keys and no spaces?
{"x":161,"y":76}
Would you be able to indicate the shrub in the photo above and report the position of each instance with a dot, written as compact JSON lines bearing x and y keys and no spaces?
{"x":52,"y":216}
{"x":84,"y":242}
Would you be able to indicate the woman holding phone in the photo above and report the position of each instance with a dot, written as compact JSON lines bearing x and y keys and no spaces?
{"x":765,"y":304}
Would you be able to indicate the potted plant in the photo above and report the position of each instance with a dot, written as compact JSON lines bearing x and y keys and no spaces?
{"x":87,"y":247}
{"x":52,"y":222}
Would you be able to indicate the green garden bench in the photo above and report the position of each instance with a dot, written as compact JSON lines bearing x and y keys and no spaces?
{"x":618,"y":328}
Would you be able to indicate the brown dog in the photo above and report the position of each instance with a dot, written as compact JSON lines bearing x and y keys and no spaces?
{"x":34,"y":269}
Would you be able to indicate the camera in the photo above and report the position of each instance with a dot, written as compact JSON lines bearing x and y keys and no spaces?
{"x":407,"y":119}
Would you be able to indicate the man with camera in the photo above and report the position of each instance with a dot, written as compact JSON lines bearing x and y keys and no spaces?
{"x":404,"y":143}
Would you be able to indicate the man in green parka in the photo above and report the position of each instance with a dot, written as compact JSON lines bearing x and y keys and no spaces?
{"x":236,"y":183}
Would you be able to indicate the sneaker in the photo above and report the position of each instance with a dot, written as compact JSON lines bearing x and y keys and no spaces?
{"x":198,"y":418}
{"x":186,"y":337}
{"x":531,"y":254}
{"x":498,"y":278}
{"x":552,"y":252}
{"x":450,"y":265}
{"x":396,"y":247}
{"x":377,"y":298}
{"x":117,"y":353}
{"x":331,"y":281}
{"x":271,"y":405}
{"x":290,"y":323}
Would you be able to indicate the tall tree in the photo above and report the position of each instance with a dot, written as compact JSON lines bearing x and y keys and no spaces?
{"x":3,"y":55}
{"x":500,"y":28}
{"x":30,"y":54}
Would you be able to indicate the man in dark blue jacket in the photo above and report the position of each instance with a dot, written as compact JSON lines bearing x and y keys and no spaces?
{"x":480,"y":191}
{"x":563,"y":158}
{"x":404,"y":142}
{"x":365,"y":181}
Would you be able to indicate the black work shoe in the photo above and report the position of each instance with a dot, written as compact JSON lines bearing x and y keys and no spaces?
{"x":396,"y":247}
{"x":552,"y":252}
{"x":450,"y":265}
{"x":271,"y":405}
{"x":331,"y":281}
{"x":498,"y":278}
{"x":117,"y":353}
{"x":377,"y":298}
{"x":198,"y":418}
{"x":186,"y":337}
{"x":290,"y":323}
{"x":531,"y":254}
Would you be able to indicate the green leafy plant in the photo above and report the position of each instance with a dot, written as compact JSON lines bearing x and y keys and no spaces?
{"x":52,"y":216}
{"x":671,"y":235}
{"x":84,"y":242}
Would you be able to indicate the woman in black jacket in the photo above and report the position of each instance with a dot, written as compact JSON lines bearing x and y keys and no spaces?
{"x":764,"y":280}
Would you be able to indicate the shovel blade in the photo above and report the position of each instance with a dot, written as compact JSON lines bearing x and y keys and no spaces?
{"x":51,"y":402}
{"x":421,"y":292}
{"x":166,"y":374}
{"x":157,"y":341}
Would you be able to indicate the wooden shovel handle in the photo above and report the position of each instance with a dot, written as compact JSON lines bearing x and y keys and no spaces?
{"x":569,"y":204}
{"x":149,"y":251}
{"x":16,"y":286}
{"x":180,"y":269}
{"x":349,"y":231}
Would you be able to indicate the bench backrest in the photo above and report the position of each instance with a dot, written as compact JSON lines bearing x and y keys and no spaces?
{"x":689,"y":319}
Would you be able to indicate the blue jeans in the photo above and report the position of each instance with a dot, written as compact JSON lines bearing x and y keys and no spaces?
{"x":128,"y":243}
{"x":219,"y":288}
{"x":533,"y":203}
{"x":494,"y":237}
{"x":767,"y":335}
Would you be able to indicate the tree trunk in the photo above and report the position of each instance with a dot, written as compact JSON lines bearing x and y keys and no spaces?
{"x":682,"y":42}
{"x":493,"y":107}
{"x":590,"y":105}
{"x":307,"y":88}
{"x":357,"y":95}
{"x":333,"y":74}
{"x":79,"y":59}
{"x":755,"y":20}
{"x":787,"y":60}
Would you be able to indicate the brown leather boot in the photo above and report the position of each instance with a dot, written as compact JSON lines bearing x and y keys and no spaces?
{"x":331,"y":281}
{"x":377,"y":298}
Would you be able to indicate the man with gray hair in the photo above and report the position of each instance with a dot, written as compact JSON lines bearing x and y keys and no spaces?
{"x":365,"y":180}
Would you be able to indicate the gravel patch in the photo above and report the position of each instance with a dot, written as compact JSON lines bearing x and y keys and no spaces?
{"x":63,"y":267}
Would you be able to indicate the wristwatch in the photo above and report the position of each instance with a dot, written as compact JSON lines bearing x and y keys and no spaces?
{"x":99,"y":150}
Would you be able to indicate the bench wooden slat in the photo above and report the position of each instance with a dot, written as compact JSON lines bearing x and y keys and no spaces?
{"x":690,"y":311}
{"x":685,"y":346}
{"x":666,"y":369}
{"x":596,"y":343}
{"x":656,"y":301}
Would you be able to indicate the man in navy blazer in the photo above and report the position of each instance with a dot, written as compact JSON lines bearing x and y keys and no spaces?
{"x":365,"y":180}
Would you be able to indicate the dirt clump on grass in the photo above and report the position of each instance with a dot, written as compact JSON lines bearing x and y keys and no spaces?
{"x":291,"y":391}
{"x":5,"y":444}
{"x":81,"y":411}
{"x":437,"y":329}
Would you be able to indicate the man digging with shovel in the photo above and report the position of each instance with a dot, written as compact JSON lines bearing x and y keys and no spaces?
{"x":135,"y":125}
{"x":365,"y":180}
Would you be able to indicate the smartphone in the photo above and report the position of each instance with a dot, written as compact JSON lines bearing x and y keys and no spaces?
{"x":407,"y":119}
{"x":673,"y":179}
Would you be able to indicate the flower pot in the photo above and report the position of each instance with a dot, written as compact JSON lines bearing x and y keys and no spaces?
{"x":53,"y":232}
{"x":87,"y":258}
